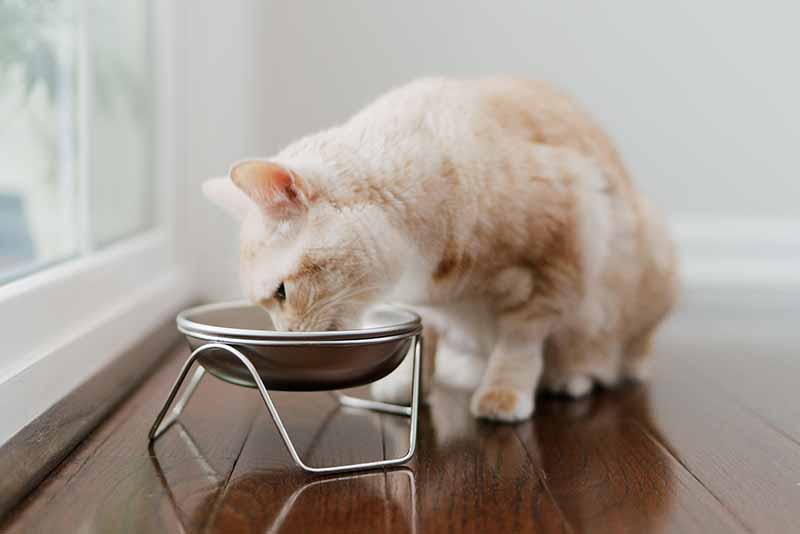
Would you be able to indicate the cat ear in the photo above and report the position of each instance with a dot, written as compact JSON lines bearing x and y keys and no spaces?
{"x":279,"y":192}
{"x":223,"y":193}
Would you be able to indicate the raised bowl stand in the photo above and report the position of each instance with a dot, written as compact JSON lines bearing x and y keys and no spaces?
{"x":411,"y":411}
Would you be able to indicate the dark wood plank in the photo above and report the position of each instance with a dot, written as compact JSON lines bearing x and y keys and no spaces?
{"x":268,"y":493}
{"x":470,"y":476}
{"x":114,"y":483}
{"x":756,"y":360}
{"x":28,"y":457}
{"x":750,"y":467}
{"x":608,"y":475}
{"x":709,"y":446}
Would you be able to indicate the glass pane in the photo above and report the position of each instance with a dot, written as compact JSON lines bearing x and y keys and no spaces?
{"x":76,"y":128}
{"x":120,"y":128}
{"x":38,"y":134}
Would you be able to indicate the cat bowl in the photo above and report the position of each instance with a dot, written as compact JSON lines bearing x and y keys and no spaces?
{"x":236,"y":342}
{"x":298,"y":361}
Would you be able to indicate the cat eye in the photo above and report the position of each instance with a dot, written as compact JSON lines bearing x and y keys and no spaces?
{"x":280,"y":293}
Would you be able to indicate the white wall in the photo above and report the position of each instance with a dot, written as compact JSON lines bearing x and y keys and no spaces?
{"x":220,"y":92}
{"x":701,"y":96}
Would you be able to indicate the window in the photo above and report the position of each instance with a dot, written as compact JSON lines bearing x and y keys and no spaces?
{"x":87,"y":177}
{"x":76,"y":129}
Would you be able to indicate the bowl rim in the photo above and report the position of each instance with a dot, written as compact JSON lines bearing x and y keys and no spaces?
{"x":296,"y":342}
{"x":188,"y":326}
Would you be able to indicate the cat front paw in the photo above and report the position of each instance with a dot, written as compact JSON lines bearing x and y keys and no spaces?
{"x":502,"y":403}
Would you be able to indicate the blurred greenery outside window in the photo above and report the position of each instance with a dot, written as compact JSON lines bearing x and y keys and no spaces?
{"x":76,"y":129}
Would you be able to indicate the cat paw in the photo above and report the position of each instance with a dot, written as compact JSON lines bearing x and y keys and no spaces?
{"x":396,"y":390}
{"x":502,"y":403}
{"x":578,"y":386}
{"x":574,"y":386}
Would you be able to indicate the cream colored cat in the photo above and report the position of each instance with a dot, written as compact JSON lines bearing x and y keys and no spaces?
{"x":497,"y":206}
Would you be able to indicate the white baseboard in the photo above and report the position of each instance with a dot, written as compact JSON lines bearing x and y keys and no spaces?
{"x":101,"y":337}
{"x":727,"y":260}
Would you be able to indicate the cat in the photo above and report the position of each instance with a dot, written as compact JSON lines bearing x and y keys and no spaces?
{"x":497,"y":207}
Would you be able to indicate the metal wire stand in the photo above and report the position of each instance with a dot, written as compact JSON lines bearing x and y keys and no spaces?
{"x":345,"y":400}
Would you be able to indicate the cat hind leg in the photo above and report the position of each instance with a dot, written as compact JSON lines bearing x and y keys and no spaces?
{"x":575,"y":364}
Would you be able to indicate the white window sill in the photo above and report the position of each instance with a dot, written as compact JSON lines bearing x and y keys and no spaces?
{"x":82,"y":315}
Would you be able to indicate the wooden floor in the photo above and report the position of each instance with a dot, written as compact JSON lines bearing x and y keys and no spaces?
{"x":711,"y":445}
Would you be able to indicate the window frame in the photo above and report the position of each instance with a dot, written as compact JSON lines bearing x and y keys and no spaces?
{"x":62,"y":324}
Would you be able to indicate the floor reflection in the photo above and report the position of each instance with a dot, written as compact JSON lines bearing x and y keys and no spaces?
{"x":373,"y":488}
{"x":598,"y":462}
{"x":471,"y":476}
{"x":601,"y":462}
{"x":279,"y":498}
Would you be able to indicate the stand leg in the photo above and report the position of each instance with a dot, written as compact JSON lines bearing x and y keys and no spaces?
{"x":377,"y":406}
{"x":155,"y":430}
{"x":413,"y":410}
{"x":367,"y":404}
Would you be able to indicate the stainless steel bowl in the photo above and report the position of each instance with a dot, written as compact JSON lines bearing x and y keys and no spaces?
{"x":298,"y":361}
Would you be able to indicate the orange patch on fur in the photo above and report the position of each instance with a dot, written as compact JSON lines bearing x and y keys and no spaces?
{"x":498,"y":400}
{"x":450,"y":256}
{"x":447,"y":264}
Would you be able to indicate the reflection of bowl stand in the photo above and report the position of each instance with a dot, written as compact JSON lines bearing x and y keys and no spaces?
{"x":288,"y":504}
{"x":410,"y":411}
{"x":283,"y":513}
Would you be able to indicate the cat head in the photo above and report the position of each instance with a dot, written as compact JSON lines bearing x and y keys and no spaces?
{"x":309,"y":262}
